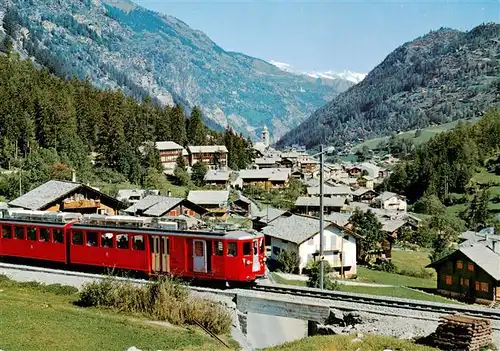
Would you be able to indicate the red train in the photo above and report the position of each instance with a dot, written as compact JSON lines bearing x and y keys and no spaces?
{"x":132,"y":243}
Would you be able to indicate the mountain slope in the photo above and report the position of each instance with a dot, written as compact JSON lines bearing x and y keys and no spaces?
{"x":118,"y":44}
{"x":442,"y":76}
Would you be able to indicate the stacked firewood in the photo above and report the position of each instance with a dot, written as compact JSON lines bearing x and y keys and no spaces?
{"x":463,"y":333}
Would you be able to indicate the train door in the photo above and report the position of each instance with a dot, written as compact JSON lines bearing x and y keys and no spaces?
{"x":200,"y":256}
{"x":256,"y":261}
{"x":160,"y":260}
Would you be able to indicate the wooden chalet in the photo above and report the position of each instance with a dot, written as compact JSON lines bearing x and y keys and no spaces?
{"x":472,"y":273}
{"x":66,"y":196}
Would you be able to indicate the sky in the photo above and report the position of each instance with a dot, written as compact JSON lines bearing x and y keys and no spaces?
{"x":324,"y":35}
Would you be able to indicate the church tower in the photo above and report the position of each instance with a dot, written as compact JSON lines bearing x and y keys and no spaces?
{"x":265,"y":136}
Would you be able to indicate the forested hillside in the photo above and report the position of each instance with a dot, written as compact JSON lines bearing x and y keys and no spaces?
{"x":443,"y":76}
{"x":120,"y":45}
{"x":446,"y":163}
{"x":49,"y":125}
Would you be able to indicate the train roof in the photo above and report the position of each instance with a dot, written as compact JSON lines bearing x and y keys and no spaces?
{"x":130,"y":224}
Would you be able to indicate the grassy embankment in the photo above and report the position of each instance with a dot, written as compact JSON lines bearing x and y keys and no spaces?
{"x":37,"y":317}
{"x":409,"y":261}
{"x":349,"y":343}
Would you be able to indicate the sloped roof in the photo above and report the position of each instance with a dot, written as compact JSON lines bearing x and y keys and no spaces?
{"x":272,"y":174}
{"x":217,"y":175}
{"x":51,"y":191}
{"x":386,"y":195}
{"x":144,"y":203}
{"x":125,"y":194}
{"x":362,"y":191}
{"x":314,"y":201}
{"x":208,"y":197}
{"x":481,"y":255}
{"x":293,"y":228}
{"x":392,"y":225}
{"x":329,"y":190}
{"x":156,"y":206}
{"x":268,"y":214}
{"x":267,"y":160}
{"x":163,"y":206}
{"x":338,"y":218}
{"x":207,"y":148}
{"x":168,"y":145}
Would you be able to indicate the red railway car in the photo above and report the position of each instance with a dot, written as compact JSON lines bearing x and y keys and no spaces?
{"x":133,"y":243}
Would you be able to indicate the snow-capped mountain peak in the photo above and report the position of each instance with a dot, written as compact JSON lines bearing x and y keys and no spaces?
{"x":347,"y":75}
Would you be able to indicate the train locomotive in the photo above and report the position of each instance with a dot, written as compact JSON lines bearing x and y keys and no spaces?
{"x":142,"y":244}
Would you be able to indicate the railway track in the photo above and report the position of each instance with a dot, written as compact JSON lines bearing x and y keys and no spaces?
{"x":397,"y":304}
{"x":389,"y":302}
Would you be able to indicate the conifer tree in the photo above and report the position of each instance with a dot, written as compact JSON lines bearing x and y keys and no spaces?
{"x":196,"y":131}
{"x":178,"y":125}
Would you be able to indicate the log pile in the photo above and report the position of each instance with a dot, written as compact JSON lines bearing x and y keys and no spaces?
{"x":463,"y":333}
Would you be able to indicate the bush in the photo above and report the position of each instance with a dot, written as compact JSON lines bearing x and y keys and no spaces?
{"x":386,"y":266}
{"x":288,"y":261}
{"x":314,"y":276}
{"x":423,"y":273}
{"x":165,"y":299}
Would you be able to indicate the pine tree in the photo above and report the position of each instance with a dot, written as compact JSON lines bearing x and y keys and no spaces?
{"x":196,"y":130}
{"x":178,"y":125}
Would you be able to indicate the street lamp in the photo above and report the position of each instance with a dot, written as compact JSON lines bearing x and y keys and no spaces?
{"x":321,"y":154}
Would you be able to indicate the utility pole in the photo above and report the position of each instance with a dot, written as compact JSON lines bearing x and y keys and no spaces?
{"x":321,"y":222}
{"x":20,"y":182}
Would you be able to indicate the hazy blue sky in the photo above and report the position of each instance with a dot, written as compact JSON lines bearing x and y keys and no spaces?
{"x":324,"y":35}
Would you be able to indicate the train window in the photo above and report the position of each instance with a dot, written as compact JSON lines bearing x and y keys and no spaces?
{"x":262,"y":247}
{"x":7,"y":232}
{"x":247,"y":249}
{"x":32,"y":234}
{"x":107,"y":239}
{"x":232,"y":249}
{"x":138,"y":242}
{"x":77,"y":238}
{"x":19,"y":232}
{"x":58,"y":236}
{"x":91,"y":239}
{"x":122,"y":241}
{"x":219,"y":248}
{"x":44,"y":234}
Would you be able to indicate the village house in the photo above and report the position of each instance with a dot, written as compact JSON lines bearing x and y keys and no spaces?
{"x":472,"y":272}
{"x":364,"y":195}
{"x":330,"y":191}
{"x":310,"y":205}
{"x":353,"y":171}
{"x":390,"y":201}
{"x":300,"y":234}
{"x":161,"y":206}
{"x":244,"y":207}
{"x":215,"y":201}
{"x":286,"y":163}
{"x":214,"y":156}
{"x":268,"y":178}
{"x":308,"y":165}
{"x":56,"y":195}
{"x":132,"y":196}
{"x":169,"y":153}
{"x":217,"y":178}
{"x":267,"y":162}
{"x":370,"y":169}
{"x":365,"y":182}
